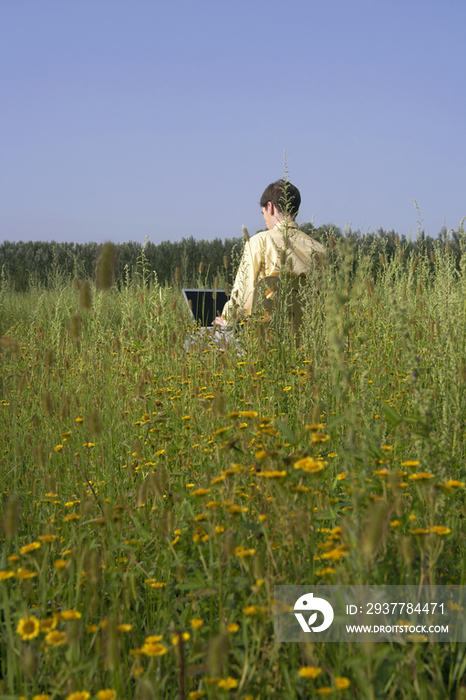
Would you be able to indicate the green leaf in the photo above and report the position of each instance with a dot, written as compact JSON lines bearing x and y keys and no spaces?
{"x":284,"y":429}
{"x":391,"y":414}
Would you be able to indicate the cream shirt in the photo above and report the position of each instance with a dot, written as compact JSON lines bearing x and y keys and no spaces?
{"x":263,"y":256}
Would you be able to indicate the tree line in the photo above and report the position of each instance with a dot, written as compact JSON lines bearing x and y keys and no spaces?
{"x":51,"y":265}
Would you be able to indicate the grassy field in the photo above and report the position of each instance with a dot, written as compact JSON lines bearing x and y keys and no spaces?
{"x":153,"y":496}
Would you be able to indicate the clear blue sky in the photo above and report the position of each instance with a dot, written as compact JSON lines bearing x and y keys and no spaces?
{"x":121,"y":119}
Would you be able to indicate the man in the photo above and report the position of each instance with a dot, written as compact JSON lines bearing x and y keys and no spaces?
{"x":266,"y":252}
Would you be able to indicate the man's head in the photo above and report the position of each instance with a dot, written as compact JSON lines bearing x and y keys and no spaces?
{"x":280,"y":200}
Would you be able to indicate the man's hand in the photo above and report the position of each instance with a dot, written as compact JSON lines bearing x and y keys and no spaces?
{"x":219,"y":321}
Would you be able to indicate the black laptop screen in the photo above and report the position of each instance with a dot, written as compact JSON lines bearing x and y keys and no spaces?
{"x":205,"y":304}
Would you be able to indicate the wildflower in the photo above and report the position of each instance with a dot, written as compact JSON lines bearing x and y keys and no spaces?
{"x":106,"y":694}
{"x":228,"y":683}
{"x":309,"y":672}
{"x":342,"y":476}
{"x":248,"y":414}
{"x":58,"y":448}
{"x":13,"y":559}
{"x":335,"y":554}
{"x":56,"y":638}
{"x":421,"y":476}
{"x":23,"y":574}
{"x":325,"y":690}
{"x":452,"y":484}
{"x":310,"y":465}
{"x":250,"y":610}
{"x":242,"y":552}
{"x":236,"y":510}
{"x":91,"y":629}
{"x":43,"y":696}
{"x":262,"y":518}
{"x":153,"y":639}
{"x":48,"y":624}
{"x":30,"y":547}
{"x":233,"y":627}
{"x":219,"y":529}
{"x":176,"y":638}
{"x":213,"y":505}
{"x":272,"y":474}
{"x":196,"y":623}
{"x":4,"y":575}
{"x":419,"y":531}
{"x":59,"y":564}
{"x":28,"y":628}
{"x":79,"y":695}
{"x":395,"y":523}
{"x":124,"y":628}
{"x":71,"y":615}
{"x":196,"y":694}
{"x":319,"y":437}
{"x":79,"y":419}
{"x":47,"y":538}
{"x":326,"y":572}
{"x":410,"y":463}
{"x":342,"y":683}
{"x":440,"y":530}
{"x":155,"y":584}
{"x":200,"y":492}
{"x":71,"y":516}
{"x":154,"y":649}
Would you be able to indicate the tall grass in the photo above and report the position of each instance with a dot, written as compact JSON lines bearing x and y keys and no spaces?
{"x":151,"y":495}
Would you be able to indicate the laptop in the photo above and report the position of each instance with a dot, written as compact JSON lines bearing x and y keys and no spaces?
{"x":205,"y":304}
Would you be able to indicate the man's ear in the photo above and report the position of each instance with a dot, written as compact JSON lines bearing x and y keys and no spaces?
{"x":270,"y":208}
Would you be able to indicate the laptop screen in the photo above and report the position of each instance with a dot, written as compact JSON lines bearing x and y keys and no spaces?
{"x":205,"y":304}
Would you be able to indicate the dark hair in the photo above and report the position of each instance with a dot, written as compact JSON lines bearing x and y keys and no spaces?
{"x":284,"y":196}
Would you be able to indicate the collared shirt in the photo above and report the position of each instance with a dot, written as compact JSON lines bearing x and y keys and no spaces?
{"x":263,"y":256}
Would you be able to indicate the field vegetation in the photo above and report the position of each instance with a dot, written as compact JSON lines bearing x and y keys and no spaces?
{"x":154,"y":491}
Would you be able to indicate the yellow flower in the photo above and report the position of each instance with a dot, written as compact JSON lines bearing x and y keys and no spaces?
{"x":419,"y":531}
{"x":421,"y":476}
{"x":310,"y":465}
{"x":4,"y":575}
{"x":309,"y":672}
{"x":410,"y":463}
{"x":71,"y":615}
{"x":229,"y":682}
{"x":326,"y":690}
{"x":153,"y":639}
{"x":43,"y":696}
{"x":243,"y":552}
{"x":48,"y":625}
{"x":395,"y":523}
{"x":440,"y":530}
{"x":319,"y":437}
{"x":23,"y":574}
{"x":196,"y":694}
{"x":47,"y":538}
{"x":452,"y":484}
{"x":233,"y":627}
{"x":342,"y":476}
{"x":154,"y":649}
{"x":196,"y":623}
{"x":28,"y":628}
{"x":56,"y":638}
{"x":79,"y":695}
{"x":236,"y":510}
{"x":247,"y":414}
{"x":219,"y":529}
{"x":59,"y":564}
{"x":124,"y":628}
{"x":106,"y":694}
{"x":342,"y":683}
{"x":13,"y":559}
{"x":79,"y":420}
{"x":272,"y":474}
{"x":71,"y":516}
{"x":200,"y":492}
{"x":326,"y":572}
{"x":335,"y":554}
{"x":30,"y":547}
{"x":250,"y":610}
{"x":58,"y":448}
{"x":176,"y":638}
